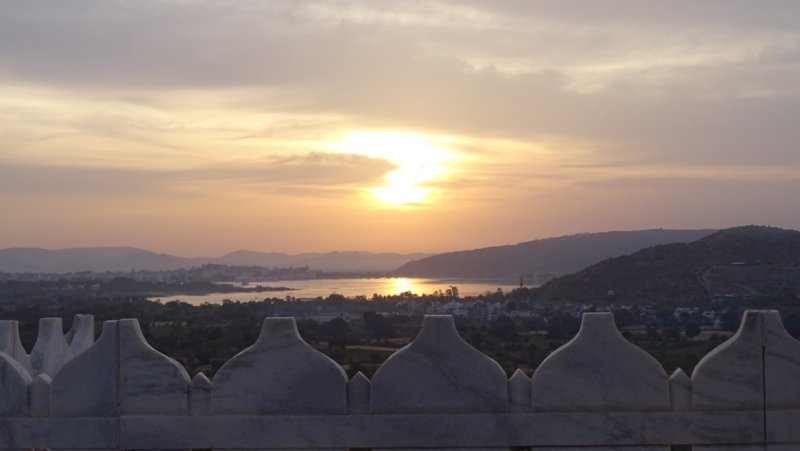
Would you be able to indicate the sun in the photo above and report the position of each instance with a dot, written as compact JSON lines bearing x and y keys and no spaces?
{"x":401,"y":194}
{"x":418,"y":159}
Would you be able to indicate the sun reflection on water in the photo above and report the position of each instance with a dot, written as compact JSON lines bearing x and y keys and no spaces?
{"x":401,"y":285}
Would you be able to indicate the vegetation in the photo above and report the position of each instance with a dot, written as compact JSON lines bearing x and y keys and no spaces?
{"x":362,"y":335}
{"x":752,"y":262}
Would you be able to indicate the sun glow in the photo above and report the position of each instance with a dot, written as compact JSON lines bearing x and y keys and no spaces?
{"x":419,"y":160}
{"x":402,"y":284}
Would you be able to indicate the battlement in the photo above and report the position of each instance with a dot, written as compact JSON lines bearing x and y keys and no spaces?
{"x":597,"y":392}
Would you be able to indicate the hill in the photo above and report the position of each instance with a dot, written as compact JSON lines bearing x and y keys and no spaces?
{"x":37,"y":260}
{"x":750,"y":261}
{"x":98,"y":259}
{"x":544,"y":259}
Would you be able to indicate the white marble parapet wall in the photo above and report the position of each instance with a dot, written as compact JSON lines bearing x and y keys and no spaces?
{"x":15,"y":381}
{"x":87,"y":385}
{"x":51,"y":350}
{"x":12,"y":346}
{"x":732,"y":375}
{"x":599,"y":370}
{"x":150,"y":383}
{"x":279,"y":374}
{"x":597,"y":392}
{"x":81,"y":335}
{"x":439,"y":373}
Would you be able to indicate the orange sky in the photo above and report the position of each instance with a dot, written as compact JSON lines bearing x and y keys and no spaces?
{"x":198,"y":128}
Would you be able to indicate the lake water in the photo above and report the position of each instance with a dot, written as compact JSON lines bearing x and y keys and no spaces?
{"x":310,"y":289}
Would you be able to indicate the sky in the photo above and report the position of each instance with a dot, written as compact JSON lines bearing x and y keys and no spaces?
{"x":202,"y":127}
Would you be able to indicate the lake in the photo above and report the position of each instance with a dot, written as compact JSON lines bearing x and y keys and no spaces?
{"x":310,"y":289}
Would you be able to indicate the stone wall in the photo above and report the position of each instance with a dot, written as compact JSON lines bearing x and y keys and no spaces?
{"x":597,"y":392}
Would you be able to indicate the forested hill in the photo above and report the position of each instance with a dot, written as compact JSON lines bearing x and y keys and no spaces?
{"x":543,"y":259}
{"x":750,"y":261}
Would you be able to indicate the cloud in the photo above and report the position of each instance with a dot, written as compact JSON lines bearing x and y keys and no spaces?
{"x":303,"y":174}
{"x":314,"y":169}
{"x":296,"y":44}
{"x":696,"y":183}
{"x":556,"y":104}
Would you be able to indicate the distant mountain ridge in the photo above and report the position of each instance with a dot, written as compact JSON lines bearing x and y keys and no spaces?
{"x":543,"y":259}
{"x":740,"y":261}
{"x":98,"y":259}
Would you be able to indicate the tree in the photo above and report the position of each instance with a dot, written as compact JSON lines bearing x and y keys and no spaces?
{"x":563,"y":326}
{"x":533,"y":323}
{"x":652,"y":332}
{"x":692,"y":330}
{"x":336,"y":331}
{"x":731,"y":321}
{"x":623,"y":318}
{"x":503,"y":328}
{"x":336,"y":298}
{"x":378,"y":326}
{"x":671,"y":333}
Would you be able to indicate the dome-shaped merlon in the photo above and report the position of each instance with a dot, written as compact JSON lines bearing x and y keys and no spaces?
{"x":680,"y":390}
{"x":599,"y":370}
{"x":40,"y":396}
{"x":51,"y":350}
{"x":14,"y":389}
{"x":200,"y":395}
{"x":730,"y":376}
{"x":86,"y":386}
{"x":519,"y":392}
{"x":150,"y":382}
{"x":81,"y":335}
{"x":358,"y":395}
{"x":279,"y":374}
{"x":781,"y":364}
{"x":439,"y":373}
{"x":11,"y":344}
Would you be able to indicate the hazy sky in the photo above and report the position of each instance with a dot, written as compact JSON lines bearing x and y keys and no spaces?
{"x":198,"y":128}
